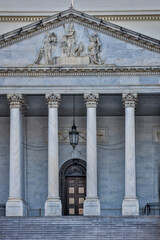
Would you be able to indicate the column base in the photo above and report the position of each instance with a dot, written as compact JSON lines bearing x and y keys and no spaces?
{"x":16,"y":208}
{"x":130,"y":207}
{"x":91,"y":207}
{"x":53,"y":207}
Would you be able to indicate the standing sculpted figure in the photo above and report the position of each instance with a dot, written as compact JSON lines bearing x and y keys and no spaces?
{"x":94,"y":48}
{"x":46,"y":49}
{"x":68,"y":41}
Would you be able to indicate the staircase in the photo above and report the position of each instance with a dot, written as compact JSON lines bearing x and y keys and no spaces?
{"x":84,"y":228}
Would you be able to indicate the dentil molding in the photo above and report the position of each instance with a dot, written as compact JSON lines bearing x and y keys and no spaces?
{"x":104,"y":17}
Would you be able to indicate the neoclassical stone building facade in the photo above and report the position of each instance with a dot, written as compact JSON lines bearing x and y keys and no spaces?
{"x":114,"y":75}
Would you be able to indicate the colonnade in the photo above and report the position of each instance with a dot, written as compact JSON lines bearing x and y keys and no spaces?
{"x":15,"y":205}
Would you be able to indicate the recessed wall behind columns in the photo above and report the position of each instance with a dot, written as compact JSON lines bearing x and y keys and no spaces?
{"x":110,"y":160}
{"x":4,"y":159}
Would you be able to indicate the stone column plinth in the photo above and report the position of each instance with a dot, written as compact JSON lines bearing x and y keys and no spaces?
{"x":130,"y":205}
{"x":15,"y":205}
{"x":91,"y":203}
{"x":53,"y":206}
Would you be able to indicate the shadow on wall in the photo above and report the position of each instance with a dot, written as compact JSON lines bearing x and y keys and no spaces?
{"x":159,"y":182}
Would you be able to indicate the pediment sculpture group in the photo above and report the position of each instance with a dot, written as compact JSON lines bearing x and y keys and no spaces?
{"x":70,"y":48}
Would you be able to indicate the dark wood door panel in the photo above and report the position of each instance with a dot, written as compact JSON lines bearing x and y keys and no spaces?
{"x":73,"y":186}
{"x":75,"y":195}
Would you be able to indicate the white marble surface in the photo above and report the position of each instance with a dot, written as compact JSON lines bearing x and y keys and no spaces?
{"x":53,"y":207}
{"x":15,"y":208}
{"x":15,"y":189}
{"x":91,"y":203}
{"x":130,"y":168}
{"x":53,"y":179}
{"x":92,"y":207}
{"x":113,"y":51}
{"x":91,"y":153}
{"x":53,"y":204}
{"x":130,"y":207}
{"x":130,"y":204}
{"x":15,"y":205}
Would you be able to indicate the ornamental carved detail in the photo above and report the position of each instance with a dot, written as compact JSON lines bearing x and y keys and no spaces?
{"x":53,"y":100}
{"x":129,"y":99}
{"x":15,"y":100}
{"x":91,"y":100}
{"x":75,"y":170}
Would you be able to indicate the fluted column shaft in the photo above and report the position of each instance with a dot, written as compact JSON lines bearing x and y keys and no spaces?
{"x":53,"y":203}
{"x":130,"y":204}
{"x":91,"y":204}
{"x":15,"y":206}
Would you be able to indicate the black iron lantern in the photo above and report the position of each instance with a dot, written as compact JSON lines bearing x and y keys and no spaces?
{"x":74,"y":135}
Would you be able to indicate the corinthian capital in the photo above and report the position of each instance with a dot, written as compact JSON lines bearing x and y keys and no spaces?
{"x":91,"y":100}
{"x":53,"y":100}
{"x":129,"y":99}
{"x":15,"y":100}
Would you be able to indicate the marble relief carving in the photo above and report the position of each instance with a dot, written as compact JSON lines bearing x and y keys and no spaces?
{"x":69,"y":45}
{"x":72,"y":51}
{"x":156,"y":135}
{"x":63,"y":135}
{"x":94,"y":48}
{"x":50,"y":40}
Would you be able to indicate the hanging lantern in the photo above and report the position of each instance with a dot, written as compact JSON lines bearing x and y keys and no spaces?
{"x":74,"y":137}
{"x":73,"y":134}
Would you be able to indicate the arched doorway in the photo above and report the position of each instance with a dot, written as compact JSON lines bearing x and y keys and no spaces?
{"x":73,"y":186}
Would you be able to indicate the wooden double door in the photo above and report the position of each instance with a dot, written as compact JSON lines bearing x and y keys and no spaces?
{"x":73,"y":186}
{"x":75,"y":195}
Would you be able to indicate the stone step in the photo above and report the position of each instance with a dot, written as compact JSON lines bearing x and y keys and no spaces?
{"x":86,"y":228}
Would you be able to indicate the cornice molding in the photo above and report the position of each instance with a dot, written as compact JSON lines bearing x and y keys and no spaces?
{"x":88,"y":71}
{"x":20,"y":18}
{"x":130,"y":18}
{"x":103,"y":17}
{"x":94,"y":23}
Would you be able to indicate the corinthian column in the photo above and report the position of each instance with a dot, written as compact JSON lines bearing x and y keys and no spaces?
{"x":91,"y":203}
{"x":130,"y":205}
{"x":15,"y":205}
{"x":53,"y":205}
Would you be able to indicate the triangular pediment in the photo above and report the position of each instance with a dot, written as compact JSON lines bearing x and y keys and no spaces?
{"x":76,"y":40}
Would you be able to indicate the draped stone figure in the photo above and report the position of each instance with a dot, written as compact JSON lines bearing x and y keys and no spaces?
{"x":46,"y":49}
{"x":94,"y":48}
{"x":68,"y":41}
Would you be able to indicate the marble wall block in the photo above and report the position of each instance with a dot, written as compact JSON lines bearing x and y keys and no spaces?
{"x":4,"y":159}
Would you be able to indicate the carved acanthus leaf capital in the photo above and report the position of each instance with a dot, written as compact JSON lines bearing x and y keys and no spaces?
{"x":129,"y":99}
{"x":91,"y":100}
{"x":15,"y":100}
{"x":53,"y":100}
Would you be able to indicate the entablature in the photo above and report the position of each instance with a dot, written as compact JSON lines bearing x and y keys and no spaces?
{"x":78,"y":71}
